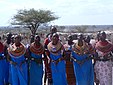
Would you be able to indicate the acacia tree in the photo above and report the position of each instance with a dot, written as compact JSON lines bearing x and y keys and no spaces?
{"x":32,"y":18}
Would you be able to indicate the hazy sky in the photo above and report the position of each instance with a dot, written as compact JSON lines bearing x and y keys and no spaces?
{"x":71,"y":12}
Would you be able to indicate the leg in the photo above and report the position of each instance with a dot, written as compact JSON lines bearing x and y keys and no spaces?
{"x":95,"y":79}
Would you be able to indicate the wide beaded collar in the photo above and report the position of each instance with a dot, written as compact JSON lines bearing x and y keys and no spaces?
{"x":80,"y":50}
{"x":104,"y":46}
{"x":36,"y":49}
{"x":17,"y":51}
{"x":55,"y":49}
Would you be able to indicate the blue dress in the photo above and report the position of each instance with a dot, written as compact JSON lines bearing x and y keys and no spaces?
{"x":18,"y":72}
{"x":6,"y":70}
{"x":2,"y":68}
{"x":36,"y":71}
{"x":84,"y":73}
{"x":58,"y":71}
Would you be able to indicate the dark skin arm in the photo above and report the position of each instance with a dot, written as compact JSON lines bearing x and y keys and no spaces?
{"x":112,"y":50}
{"x":47,"y":67}
{"x":112,"y":54}
{"x":27,"y":54}
{"x":7,"y":56}
{"x":95,"y":56}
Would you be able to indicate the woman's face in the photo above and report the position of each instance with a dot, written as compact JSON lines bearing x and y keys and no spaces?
{"x":103,"y":36}
{"x":55,"y":39}
{"x":53,"y":30}
{"x":17,"y":39}
{"x":87,"y":39}
{"x":12,"y":39}
{"x":80,"y":41}
{"x":37,"y":39}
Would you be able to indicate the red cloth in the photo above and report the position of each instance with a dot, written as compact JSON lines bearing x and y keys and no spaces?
{"x":47,"y":64}
{"x":1,"y":47}
{"x":46,"y":41}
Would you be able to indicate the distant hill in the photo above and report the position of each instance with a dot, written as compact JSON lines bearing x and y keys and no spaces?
{"x":70,"y":28}
{"x":88,"y":28}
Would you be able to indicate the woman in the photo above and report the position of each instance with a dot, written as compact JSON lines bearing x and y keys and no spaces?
{"x":57,"y":61}
{"x":36,"y":50}
{"x":69,"y":64}
{"x":18,"y":65}
{"x":83,"y":67}
{"x":103,"y":65}
{"x":7,"y":43}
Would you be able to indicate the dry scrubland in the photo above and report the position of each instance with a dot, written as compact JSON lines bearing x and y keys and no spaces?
{"x":63,"y":31}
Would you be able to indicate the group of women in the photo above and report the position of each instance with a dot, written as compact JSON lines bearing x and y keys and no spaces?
{"x":52,"y":63}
